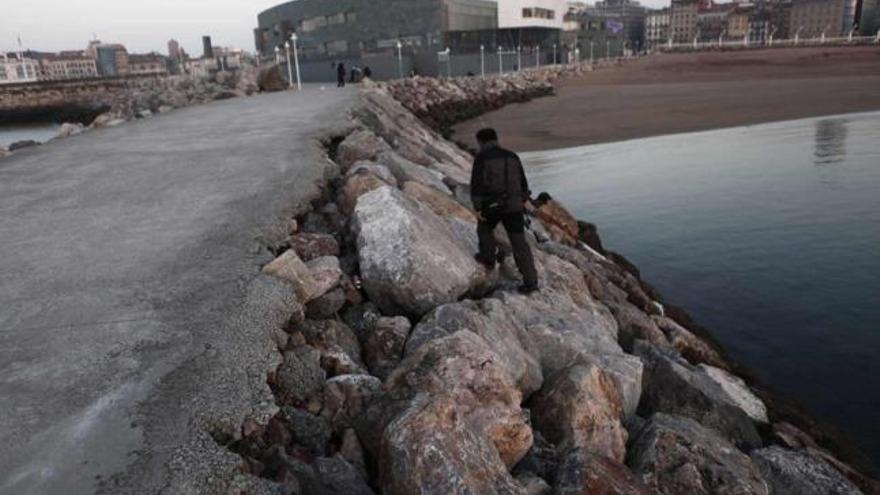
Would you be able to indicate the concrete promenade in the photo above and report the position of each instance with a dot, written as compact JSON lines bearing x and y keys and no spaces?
{"x":130,"y":296}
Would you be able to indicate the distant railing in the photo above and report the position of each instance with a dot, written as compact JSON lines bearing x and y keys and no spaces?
{"x":770,"y":42}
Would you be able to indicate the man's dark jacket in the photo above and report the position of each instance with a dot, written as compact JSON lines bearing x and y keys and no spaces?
{"x":498,"y":179}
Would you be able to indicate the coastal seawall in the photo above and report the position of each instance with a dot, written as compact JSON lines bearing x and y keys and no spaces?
{"x":409,"y":368}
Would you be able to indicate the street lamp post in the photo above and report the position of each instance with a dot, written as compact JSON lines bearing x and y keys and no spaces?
{"x":449,"y":62}
{"x":482,"y":61}
{"x":772,"y":33}
{"x":518,"y":58}
{"x":823,"y":34}
{"x":289,"y":65}
{"x":500,"y":61}
{"x":294,"y":39}
{"x":721,"y":38}
{"x":797,"y":35}
{"x":607,"y":49}
{"x":591,"y":52}
{"x":554,"y":53}
{"x":400,"y":59}
{"x":538,"y":56}
{"x":277,"y":54}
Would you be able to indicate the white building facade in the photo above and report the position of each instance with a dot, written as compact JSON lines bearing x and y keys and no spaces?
{"x":15,"y":69}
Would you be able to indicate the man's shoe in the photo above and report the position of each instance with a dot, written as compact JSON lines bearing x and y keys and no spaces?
{"x":488,"y":264}
{"x":527,"y":289}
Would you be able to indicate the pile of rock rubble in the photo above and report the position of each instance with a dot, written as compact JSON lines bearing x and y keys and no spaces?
{"x":408,"y":368}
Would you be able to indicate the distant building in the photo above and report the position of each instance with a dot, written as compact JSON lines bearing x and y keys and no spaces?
{"x":112,"y":59}
{"x":596,"y":37}
{"x":628,"y":13}
{"x":868,"y":17}
{"x":151,"y":64}
{"x":16,"y":68}
{"x":738,"y":21}
{"x":811,"y":18}
{"x":657,"y":27}
{"x":207,"y":48}
{"x":173,"y":49}
{"x":683,"y":20}
{"x":67,"y":65}
{"x":712,"y":21}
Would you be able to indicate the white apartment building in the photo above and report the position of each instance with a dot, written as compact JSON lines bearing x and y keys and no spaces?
{"x":657,"y":27}
{"x":17,"y":70}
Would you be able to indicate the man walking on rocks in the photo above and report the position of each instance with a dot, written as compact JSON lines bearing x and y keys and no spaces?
{"x":499,"y":192}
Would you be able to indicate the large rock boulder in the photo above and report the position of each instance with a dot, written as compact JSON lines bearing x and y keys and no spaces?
{"x":793,"y":472}
{"x":355,"y":186}
{"x":359,"y":145}
{"x":634,"y":324}
{"x":675,"y":455}
{"x":441,"y":203}
{"x":462,"y":369}
{"x":291,"y":268}
{"x":431,"y":449}
{"x":551,"y":212}
{"x":300,"y":376}
{"x":383,"y":344}
{"x":407,"y":171}
{"x":738,"y":392}
{"x":672,"y":385}
{"x":346,"y":397}
{"x":488,"y":319}
{"x":380,"y":171}
{"x":581,"y":408}
{"x":411,"y":260}
{"x":326,"y":274}
{"x":582,"y":472}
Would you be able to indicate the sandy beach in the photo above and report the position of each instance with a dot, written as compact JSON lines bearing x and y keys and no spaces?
{"x":673,"y":93}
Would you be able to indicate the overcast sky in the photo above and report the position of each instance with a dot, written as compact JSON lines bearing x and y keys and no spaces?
{"x":142,"y":25}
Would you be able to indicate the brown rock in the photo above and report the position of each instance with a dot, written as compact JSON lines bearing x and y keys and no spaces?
{"x":431,"y":449}
{"x":326,"y":273}
{"x":553,"y":213}
{"x":346,"y":397}
{"x":634,"y":324}
{"x":291,"y":268}
{"x":311,"y":246}
{"x":463,"y":370}
{"x":581,"y":408}
{"x":582,"y":472}
{"x":384,"y":344}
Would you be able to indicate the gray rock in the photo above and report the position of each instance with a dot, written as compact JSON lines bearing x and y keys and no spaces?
{"x":738,"y":392}
{"x":410,"y":259}
{"x":327,"y":305}
{"x":383,"y":344}
{"x":405,"y":171}
{"x":335,"y":476}
{"x":346,"y":397}
{"x":635,"y":324}
{"x":20,"y":145}
{"x":352,"y":451}
{"x":300,"y":375}
{"x":331,"y":335}
{"x":796,"y":472}
{"x":533,"y":485}
{"x":672,"y":385}
{"x":689,"y":345}
{"x":308,"y":430}
{"x":359,"y":145}
{"x":675,"y":455}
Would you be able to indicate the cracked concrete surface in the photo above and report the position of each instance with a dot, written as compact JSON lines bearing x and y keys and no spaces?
{"x":133,"y":318}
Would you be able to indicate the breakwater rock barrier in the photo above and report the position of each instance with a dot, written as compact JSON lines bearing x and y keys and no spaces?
{"x":408,"y":368}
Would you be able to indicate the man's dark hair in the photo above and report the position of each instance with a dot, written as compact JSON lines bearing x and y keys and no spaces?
{"x":486,"y":135}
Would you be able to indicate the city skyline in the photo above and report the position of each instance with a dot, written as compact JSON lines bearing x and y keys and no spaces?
{"x":141,"y":26}
{"x":55,"y":25}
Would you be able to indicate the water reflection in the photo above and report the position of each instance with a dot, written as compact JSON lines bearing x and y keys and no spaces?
{"x":830,"y":141}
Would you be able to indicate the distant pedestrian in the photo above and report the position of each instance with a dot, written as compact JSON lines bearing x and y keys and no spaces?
{"x":499,"y":193}
{"x":367,"y":72}
{"x":340,"y":75}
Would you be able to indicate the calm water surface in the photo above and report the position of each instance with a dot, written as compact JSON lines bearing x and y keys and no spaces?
{"x":769,"y":235}
{"x":37,"y":132}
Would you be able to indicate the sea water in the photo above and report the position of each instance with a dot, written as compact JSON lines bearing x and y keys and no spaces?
{"x":769,"y":235}
{"x":36,"y":132}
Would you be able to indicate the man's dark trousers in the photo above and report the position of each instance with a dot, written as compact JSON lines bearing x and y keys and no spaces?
{"x":514,"y":224}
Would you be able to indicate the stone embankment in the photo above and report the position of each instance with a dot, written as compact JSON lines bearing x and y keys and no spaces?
{"x":409,"y":368}
{"x":107,"y":102}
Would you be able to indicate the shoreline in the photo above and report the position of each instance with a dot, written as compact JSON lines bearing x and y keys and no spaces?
{"x":681,"y":93}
